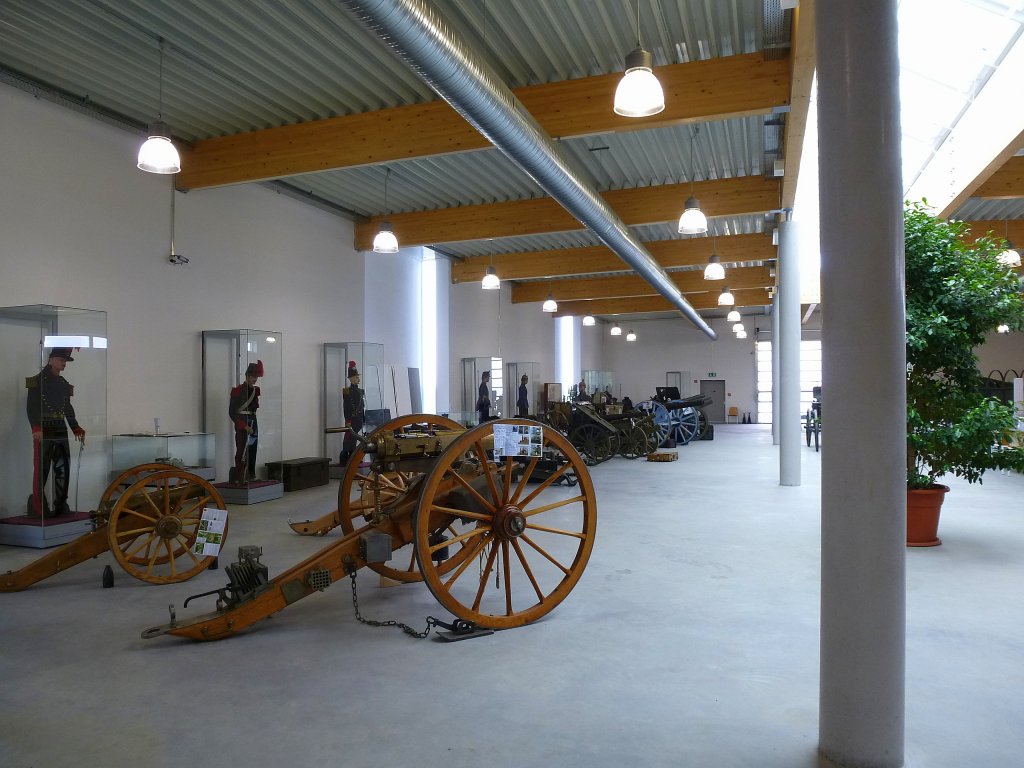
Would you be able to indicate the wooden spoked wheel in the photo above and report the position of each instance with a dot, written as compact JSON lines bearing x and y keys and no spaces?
{"x":359,"y":490}
{"x":127,"y":478}
{"x":593,"y":442}
{"x":154,"y":524}
{"x":660,"y":415}
{"x":531,"y":540}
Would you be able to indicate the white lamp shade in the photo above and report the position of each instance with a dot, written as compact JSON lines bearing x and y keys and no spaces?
{"x":157,"y":154}
{"x":1009,"y":257}
{"x":550,"y":305}
{"x":631,"y":336}
{"x":491,"y":282}
{"x":639,"y":93}
{"x":741,"y":335}
{"x":733,"y":316}
{"x":588,"y":320}
{"x":693,"y":221}
{"x":737,"y":327}
{"x":616,"y":331}
{"x":714,"y":270}
{"x":385,"y":240}
{"x":725,"y":298}
{"x":1003,"y":329}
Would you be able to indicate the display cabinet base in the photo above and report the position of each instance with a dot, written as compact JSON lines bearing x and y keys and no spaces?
{"x":252,"y":493}
{"x":299,"y":474}
{"x":25,"y":531}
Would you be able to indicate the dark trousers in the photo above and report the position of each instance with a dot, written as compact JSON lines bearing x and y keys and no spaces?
{"x":245,"y":457}
{"x":54,"y":450}
{"x":348,"y":446}
{"x":524,"y":410}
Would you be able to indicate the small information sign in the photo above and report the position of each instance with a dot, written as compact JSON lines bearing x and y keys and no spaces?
{"x":518,"y":440}
{"x":211,"y":532}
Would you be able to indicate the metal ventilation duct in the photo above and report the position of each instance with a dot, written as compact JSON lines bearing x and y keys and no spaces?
{"x":417,"y":33}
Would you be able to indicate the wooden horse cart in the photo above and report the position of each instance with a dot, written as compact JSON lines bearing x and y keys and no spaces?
{"x":149,"y":517}
{"x":498,"y":542}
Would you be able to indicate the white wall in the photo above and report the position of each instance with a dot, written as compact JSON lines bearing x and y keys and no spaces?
{"x":1000,"y":352}
{"x":393,"y":280}
{"x":82,"y":227}
{"x":675,"y":345}
{"x":486,"y":324}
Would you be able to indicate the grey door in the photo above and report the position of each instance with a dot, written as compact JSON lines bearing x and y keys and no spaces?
{"x":715,"y":389}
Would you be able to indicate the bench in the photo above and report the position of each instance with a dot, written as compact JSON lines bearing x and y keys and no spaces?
{"x":298,"y":474}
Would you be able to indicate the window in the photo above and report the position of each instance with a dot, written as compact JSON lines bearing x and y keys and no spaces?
{"x":810,"y":376}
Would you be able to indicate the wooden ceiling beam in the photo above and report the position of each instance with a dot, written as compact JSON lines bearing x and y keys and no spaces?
{"x":635,"y":305}
{"x":642,"y":205}
{"x":1006,"y":183}
{"x":713,"y":89}
{"x":615,"y":287}
{"x":595,"y":259}
{"x":1006,"y":229}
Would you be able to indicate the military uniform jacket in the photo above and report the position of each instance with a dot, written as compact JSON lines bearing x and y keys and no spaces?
{"x":49,"y":401}
{"x":353,"y":401}
{"x":243,"y":404}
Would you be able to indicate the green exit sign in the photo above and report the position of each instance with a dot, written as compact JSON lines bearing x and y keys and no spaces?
{"x":712,"y":374}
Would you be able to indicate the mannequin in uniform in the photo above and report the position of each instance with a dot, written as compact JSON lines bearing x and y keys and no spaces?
{"x":245,"y":400}
{"x":523,"y":399}
{"x":49,"y":407}
{"x":353,"y":401}
{"x":483,"y":400}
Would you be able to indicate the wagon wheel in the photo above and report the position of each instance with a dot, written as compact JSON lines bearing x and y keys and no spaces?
{"x":817,"y":433}
{"x":126,"y":478}
{"x":557,"y":419}
{"x":592,"y":442}
{"x":685,"y":424}
{"x":632,"y":441}
{"x":808,"y":427}
{"x":531,"y":544}
{"x":702,"y":420}
{"x":357,"y":495}
{"x":652,"y":432}
{"x":659,"y":414}
{"x":154,"y":523}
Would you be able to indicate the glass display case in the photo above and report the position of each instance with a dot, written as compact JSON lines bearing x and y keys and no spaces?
{"x":226,"y":357}
{"x":602,"y":381}
{"x":369,"y":360}
{"x":192,"y":451}
{"x":472,"y":370}
{"x":54,"y":381}
{"x":514,"y":373}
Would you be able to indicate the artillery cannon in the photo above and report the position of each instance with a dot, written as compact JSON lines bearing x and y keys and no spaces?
{"x":462,"y":498}
{"x":681,"y":419}
{"x":149,"y":517}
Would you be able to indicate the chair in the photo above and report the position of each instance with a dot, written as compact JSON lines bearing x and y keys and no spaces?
{"x":733,"y":413}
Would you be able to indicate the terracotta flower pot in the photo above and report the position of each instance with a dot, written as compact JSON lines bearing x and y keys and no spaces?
{"x":923,"y":515}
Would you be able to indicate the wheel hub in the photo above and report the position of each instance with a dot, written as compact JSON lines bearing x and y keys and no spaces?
{"x":509,"y":522}
{"x":168,"y":527}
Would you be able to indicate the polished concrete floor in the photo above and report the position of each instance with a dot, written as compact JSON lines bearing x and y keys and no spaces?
{"x":691,"y":640}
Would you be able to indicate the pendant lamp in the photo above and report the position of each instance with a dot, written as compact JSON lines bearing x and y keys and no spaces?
{"x":1011,"y":256}
{"x":630,"y":336}
{"x":733,"y":316}
{"x":693,"y":221}
{"x":639,"y":93}
{"x":616,"y":331}
{"x":1003,"y":328}
{"x":385,"y":240}
{"x":588,"y":320}
{"x":490,"y":281}
{"x":737,"y":327}
{"x":157,"y":154}
{"x":549,"y":305}
{"x":725,"y":298}
{"x":741,"y":335}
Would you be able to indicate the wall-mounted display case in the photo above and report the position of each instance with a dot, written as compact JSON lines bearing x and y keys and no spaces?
{"x":472,"y":370}
{"x":514,"y":373}
{"x":55,"y":401}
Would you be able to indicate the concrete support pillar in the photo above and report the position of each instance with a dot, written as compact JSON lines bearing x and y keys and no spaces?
{"x":789,"y":354}
{"x":775,"y":369}
{"x":863,"y":507}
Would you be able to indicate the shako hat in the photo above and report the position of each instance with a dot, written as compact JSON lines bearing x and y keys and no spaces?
{"x":255,"y":369}
{"x":352,"y":370}
{"x":64,"y":352}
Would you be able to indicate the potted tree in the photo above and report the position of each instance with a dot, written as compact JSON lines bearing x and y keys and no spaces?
{"x":956,"y":293}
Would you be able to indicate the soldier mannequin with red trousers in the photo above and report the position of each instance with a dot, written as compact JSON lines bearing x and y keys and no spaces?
{"x":245,"y":400}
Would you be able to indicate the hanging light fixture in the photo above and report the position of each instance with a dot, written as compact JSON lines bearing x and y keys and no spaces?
{"x":1003,"y":328}
{"x":737,"y":327}
{"x":588,"y":320}
{"x":725,"y":299}
{"x":491,"y":282}
{"x":639,"y":93}
{"x":714,"y":270}
{"x":616,"y":331}
{"x":549,"y":305}
{"x":385,"y":240}
{"x":630,"y":336}
{"x":693,"y":221}
{"x":157,"y":154}
{"x":733,"y":316}
{"x":1011,"y":256}
{"x":741,"y":335}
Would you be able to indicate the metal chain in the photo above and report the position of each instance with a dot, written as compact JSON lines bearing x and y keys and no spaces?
{"x":391,"y":622}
